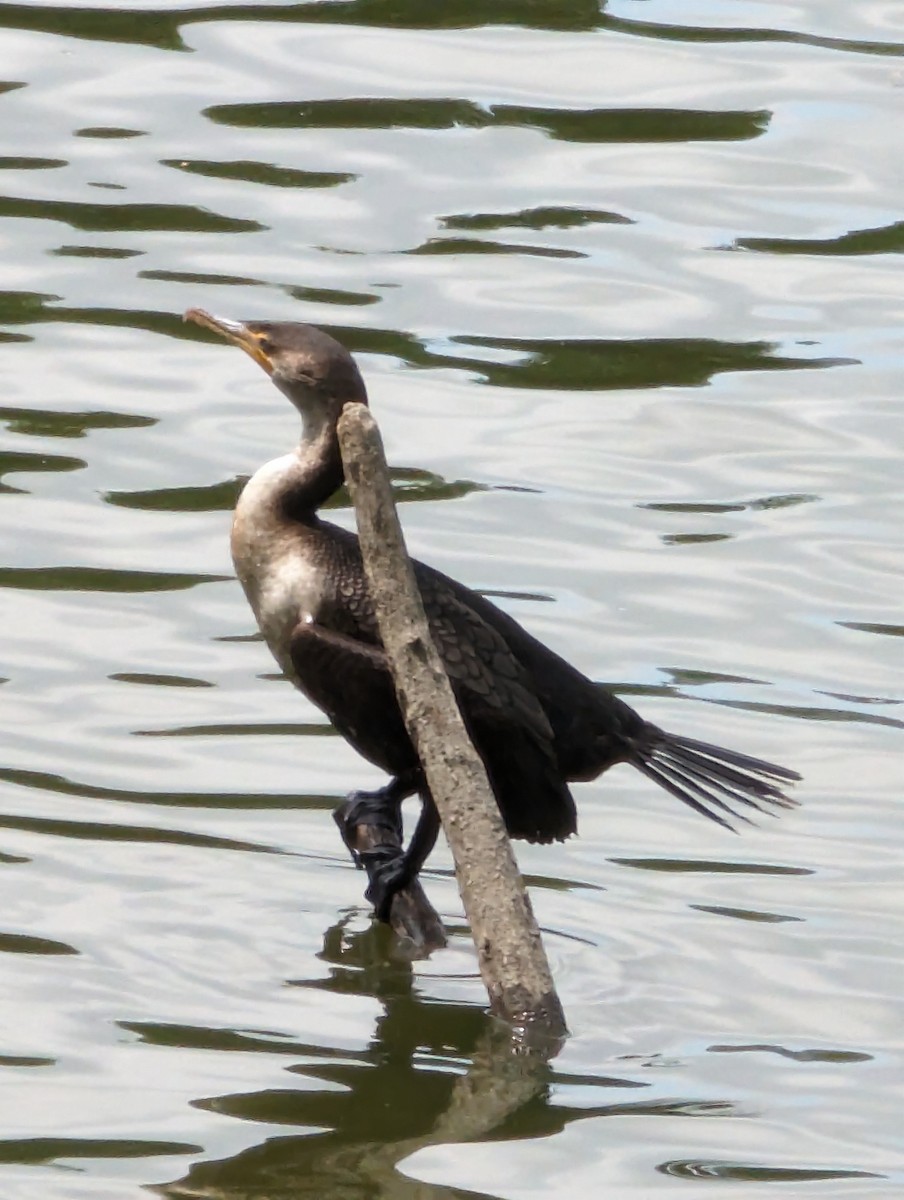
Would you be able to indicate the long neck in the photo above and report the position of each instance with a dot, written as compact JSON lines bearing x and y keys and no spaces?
{"x":315,"y":472}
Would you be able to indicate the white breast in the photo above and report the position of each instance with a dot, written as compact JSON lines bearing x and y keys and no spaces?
{"x":274,"y":564}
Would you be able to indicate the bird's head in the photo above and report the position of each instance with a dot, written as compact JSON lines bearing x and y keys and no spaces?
{"x":315,"y":371}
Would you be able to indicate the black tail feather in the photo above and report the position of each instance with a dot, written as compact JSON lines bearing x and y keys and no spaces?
{"x":677,"y":785}
{"x":727,"y":780}
{"x":710,"y":779}
{"x":758,"y":765}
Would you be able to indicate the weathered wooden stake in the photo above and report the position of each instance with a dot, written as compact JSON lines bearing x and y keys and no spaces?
{"x":510,"y":953}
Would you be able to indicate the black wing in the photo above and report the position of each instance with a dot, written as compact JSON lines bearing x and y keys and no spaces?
{"x":342,"y":668}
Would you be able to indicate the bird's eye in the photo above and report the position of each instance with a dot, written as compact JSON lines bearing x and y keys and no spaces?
{"x":265,"y":345}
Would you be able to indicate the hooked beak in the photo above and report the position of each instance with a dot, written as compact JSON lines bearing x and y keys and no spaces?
{"x":233,"y":331}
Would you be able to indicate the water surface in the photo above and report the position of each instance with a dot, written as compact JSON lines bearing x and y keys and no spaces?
{"x":625,"y":284}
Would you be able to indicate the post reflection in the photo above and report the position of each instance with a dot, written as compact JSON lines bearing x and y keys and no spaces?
{"x":433,"y":1073}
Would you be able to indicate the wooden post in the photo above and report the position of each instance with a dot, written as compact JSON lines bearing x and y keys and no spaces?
{"x":510,"y":953}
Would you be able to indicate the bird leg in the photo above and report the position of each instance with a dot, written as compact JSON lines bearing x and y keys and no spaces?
{"x":382,"y":808}
{"x":390,"y":871}
{"x":370,"y":826}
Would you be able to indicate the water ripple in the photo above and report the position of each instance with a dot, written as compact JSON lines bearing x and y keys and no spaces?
{"x":601,"y":266}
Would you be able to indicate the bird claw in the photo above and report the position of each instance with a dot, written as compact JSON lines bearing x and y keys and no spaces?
{"x":388,"y":875}
{"x":365,"y":808}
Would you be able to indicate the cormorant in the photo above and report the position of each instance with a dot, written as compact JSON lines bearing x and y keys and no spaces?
{"x":536,"y":721}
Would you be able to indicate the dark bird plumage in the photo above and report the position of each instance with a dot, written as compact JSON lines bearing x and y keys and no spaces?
{"x":537,"y":722}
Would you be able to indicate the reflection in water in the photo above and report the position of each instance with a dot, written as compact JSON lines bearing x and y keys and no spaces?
{"x":351,"y":191}
{"x":28,"y":163}
{"x":874,"y":627}
{"x":760,"y":504}
{"x":45,"y":422}
{"x":59,"y":1152}
{"x":564,"y":124}
{"x":214,"y":497}
{"x":809,"y":712}
{"x":12,"y":462}
{"x":204,"y":279}
{"x":111,"y":832}
{"x":18,"y":308}
{"x":433,"y":1073}
{"x":270,"y":729}
{"x":474,"y":246}
{"x":99,"y":579}
{"x":155,"y":680}
{"x":121,"y":218}
{"x":811,"y":1055}
{"x":848,"y":698}
{"x":752,"y":1173}
{"x":580,"y":364}
{"x":268,"y":174}
{"x":108,"y":131}
{"x":603,"y":364}
{"x":682,"y":679}
{"x":26,"y":308}
{"x":163,"y":27}
{"x":683,"y":866}
{"x":886,"y":239}
{"x":409,"y":484}
{"x":61,"y":786}
{"x":749,"y":31}
{"x":95,"y":252}
{"x":378,"y":1106}
{"x":545,"y":217}
{"x":19,"y":943}
{"x":744,"y":914}
{"x":312,"y":295}
{"x":693,"y":539}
